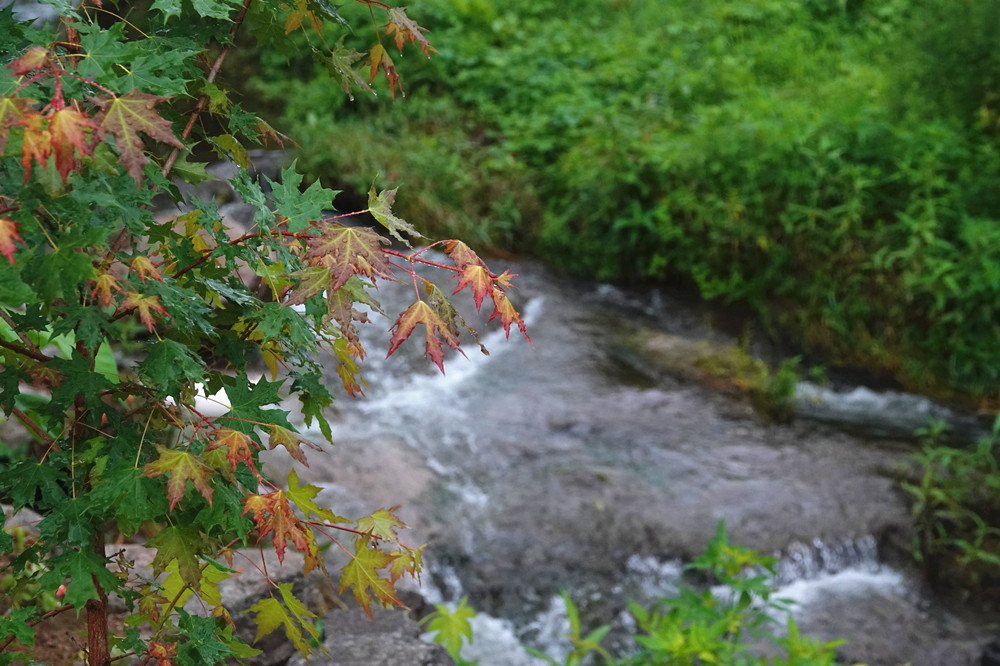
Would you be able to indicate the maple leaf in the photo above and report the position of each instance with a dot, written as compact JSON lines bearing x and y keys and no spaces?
{"x":312,"y":280}
{"x":144,"y":268}
{"x":379,"y":59}
{"x":272,"y":513}
{"x":406,"y":561}
{"x":291,"y":441}
{"x":271,"y":614}
{"x":462,"y":254}
{"x":303,"y":497}
{"x":508,"y":315}
{"x":450,"y":626}
{"x":381,"y":209}
{"x":478,"y":279}
{"x":182,"y":467}
{"x":180,"y":545}
{"x":146,"y":305}
{"x":239,"y":446}
{"x":34,"y":58}
{"x":348,"y":251}
{"x":105,"y":284}
{"x":361,"y":573}
{"x":36,"y":144}
{"x":8,"y":234}
{"x":67,"y":130}
{"x":421,"y":313}
{"x":127,"y":116}
{"x":340,"y":308}
{"x":12,"y":113}
{"x":404,"y":29}
{"x":340,"y":63}
{"x":164,"y":653}
{"x":382,"y":524}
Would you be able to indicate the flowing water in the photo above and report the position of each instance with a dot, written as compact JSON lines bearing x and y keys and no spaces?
{"x":576,"y":463}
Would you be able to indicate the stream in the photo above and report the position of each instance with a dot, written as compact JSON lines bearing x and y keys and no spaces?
{"x":578,"y":463}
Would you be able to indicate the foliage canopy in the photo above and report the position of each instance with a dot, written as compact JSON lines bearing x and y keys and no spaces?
{"x":115,"y":319}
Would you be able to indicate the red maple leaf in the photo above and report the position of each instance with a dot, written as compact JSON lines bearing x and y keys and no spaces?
{"x":421,"y":313}
{"x":146,"y":306}
{"x":36,"y":142}
{"x":479,"y":281}
{"x":105,"y":284}
{"x":68,"y":131}
{"x":8,"y":234}
{"x":404,"y":29}
{"x":348,"y":251}
{"x":508,"y":315}
{"x":34,"y":58}
{"x":144,"y":268}
{"x":239,"y":446}
{"x":127,"y":116}
{"x":182,"y":467}
{"x":462,"y":254}
{"x":272,"y":513}
{"x":291,"y":441}
{"x":379,"y":59}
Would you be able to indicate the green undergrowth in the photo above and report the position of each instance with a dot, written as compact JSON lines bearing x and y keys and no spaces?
{"x":727,"y":626}
{"x":831,"y":165}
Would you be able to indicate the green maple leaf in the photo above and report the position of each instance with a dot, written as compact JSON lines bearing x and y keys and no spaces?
{"x":303,"y":497}
{"x":422,"y":313}
{"x":361,"y":573}
{"x":340,"y":63}
{"x":382,"y":524}
{"x":287,"y":326}
{"x":249,"y":399}
{"x":182,"y":467}
{"x":451,"y":626}
{"x":169,"y":366}
{"x":78,"y":569}
{"x":127,"y":116}
{"x":380,"y":206}
{"x":179,"y":547}
{"x":300,"y":209}
{"x":349,"y":251}
{"x":293,"y":615}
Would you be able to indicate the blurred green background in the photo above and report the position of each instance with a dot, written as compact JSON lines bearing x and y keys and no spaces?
{"x":832,"y":165}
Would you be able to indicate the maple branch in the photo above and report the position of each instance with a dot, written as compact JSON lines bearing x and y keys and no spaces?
{"x":35,"y":429}
{"x":50,"y":614}
{"x":28,"y":342}
{"x":413,"y":257}
{"x":212,"y":73}
{"x":26,"y":351}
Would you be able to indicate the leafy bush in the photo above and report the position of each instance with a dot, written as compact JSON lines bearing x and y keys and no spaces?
{"x":956,"y":511}
{"x":115,"y":321}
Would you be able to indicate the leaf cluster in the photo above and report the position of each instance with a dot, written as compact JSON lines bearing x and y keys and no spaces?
{"x":117,"y":319}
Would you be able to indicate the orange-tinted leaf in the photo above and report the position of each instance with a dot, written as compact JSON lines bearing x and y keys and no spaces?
{"x":239,"y":446}
{"x":407,"y":561}
{"x":34,"y":58}
{"x":125,"y":118}
{"x":182,"y":467}
{"x":12,"y":112}
{"x":479,"y":281}
{"x":462,"y":254}
{"x":379,"y":59}
{"x":144,"y":268}
{"x":8,"y":234}
{"x":68,"y":129}
{"x":382,"y":524}
{"x":272,"y":513}
{"x":348,"y":251}
{"x":404,"y":29}
{"x":291,"y":441}
{"x":163,"y":653}
{"x":361,"y":573}
{"x":421,"y":313}
{"x":105,"y":284}
{"x":146,"y":306}
{"x":380,"y":207}
{"x":508,"y":315}
{"x":36,"y":144}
